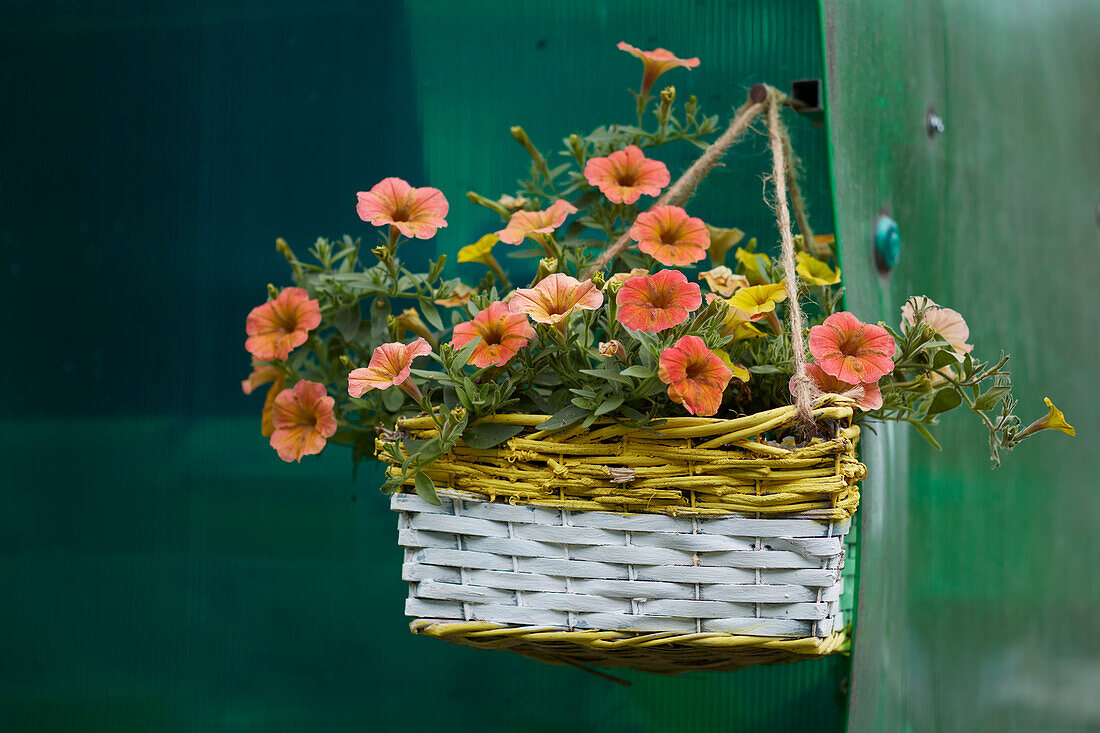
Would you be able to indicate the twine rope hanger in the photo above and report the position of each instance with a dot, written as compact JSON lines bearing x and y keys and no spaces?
{"x":767,"y":100}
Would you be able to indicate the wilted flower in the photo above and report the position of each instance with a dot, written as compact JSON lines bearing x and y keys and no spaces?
{"x":852,"y":351}
{"x":722,"y":241}
{"x":722,"y":281}
{"x":816,"y":272}
{"x":279,"y":326}
{"x":670,"y":236}
{"x":555,"y":298}
{"x":867,"y":395}
{"x":416,"y":212}
{"x":626,"y":174}
{"x":410,"y":320}
{"x":390,"y":366}
{"x":502,"y":335}
{"x":655,"y":63}
{"x":1054,"y":420}
{"x":696,"y":376}
{"x":947,"y":323}
{"x":754,"y":264}
{"x":515,"y":203}
{"x":612,"y":349}
{"x":524,"y":224}
{"x":460,"y":295}
{"x":303,"y":420}
{"x":657,"y":302}
{"x":620,"y":278}
{"x":261,"y":375}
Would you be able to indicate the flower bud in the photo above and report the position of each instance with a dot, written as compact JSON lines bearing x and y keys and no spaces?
{"x":577,"y":148}
{"x":668,"y":96}
{"x":521,"y":137}
{"x":547,"y":266}
{"x":346,"y":362}
{"x":458,"y":414}
{"x":381,"y":253}
{"x":612,"y":349}
{"x":598,"y":279}
{"x":272,"y":291}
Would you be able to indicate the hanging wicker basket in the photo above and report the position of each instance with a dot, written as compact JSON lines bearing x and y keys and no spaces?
{"x":702,"y":544}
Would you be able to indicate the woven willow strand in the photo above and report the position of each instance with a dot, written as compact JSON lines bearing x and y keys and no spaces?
{"x":684,"y":466}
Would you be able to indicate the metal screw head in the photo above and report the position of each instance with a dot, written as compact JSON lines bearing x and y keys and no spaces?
{"x":934,"y":123}
{"x":887,"y":243}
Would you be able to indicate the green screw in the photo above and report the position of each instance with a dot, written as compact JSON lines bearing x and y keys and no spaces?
{"x":887,"y":243}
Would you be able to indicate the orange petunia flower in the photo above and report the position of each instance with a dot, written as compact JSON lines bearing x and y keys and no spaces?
{"x":657,"y":302}
{"x":947,"y":323}
{"x":303,"y":421}
{"x":626,"y":174}
{"x":670,"y":236}
{"x":279,"y":326}
{"x":721,"y":280}
{"x":502,"y":334}
{"x":655,"y":63}
{"x":867,"y":395}
{"x":390,"y":366}
{"x":524,"y":224}
{"x":696,"y":376}
{"x":852,"y":351}
{"x":555,"y":298}
{"x":416,"y":212}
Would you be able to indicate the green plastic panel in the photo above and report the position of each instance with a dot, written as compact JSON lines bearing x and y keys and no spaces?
{"x":978,"y":588}
{"x":162,"y":569}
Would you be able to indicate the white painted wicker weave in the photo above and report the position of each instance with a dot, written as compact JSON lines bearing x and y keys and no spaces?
{"x":522,"y":565}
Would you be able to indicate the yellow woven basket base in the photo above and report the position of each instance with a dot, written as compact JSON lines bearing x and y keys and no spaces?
{"x":666,"y":653}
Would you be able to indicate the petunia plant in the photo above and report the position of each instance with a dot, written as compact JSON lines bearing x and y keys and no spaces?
{"x":638,"y":312}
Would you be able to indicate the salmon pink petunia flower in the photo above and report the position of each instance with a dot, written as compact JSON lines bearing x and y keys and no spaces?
{"x":303,"y":421}
{"x":390,"y":366}
{"x":655,"y":63}
{"x":657,"y":302}
{"x":670,"y":236}
{"x":279,"y":326}
{"x":722,"y":281}
{"x":416,"y":212}
{"x":502,"y":335}
{"x":852,"y":351}
{"x":555,"y":298}
{"x":626,"y":174}
{"x":460,"y":295}
{"x":947,"y":323}
{"x":695,"y":375}
{"x":261,"y":375}
{"x":867,"y":395}
{"x":524,"y":224}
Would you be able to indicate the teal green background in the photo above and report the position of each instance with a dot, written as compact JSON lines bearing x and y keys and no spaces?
{"x":164,"y":571}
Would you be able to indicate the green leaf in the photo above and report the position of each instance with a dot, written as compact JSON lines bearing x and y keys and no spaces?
{"x":431,"y":313}
{"x":925,"y":434}
{"x":425,"y":488}
{"x":462,"y":356}
{"x":347,"y":321}
{"x":489,"y":434}
{"x":608,"y":406}
{"x":393,"y":399}
{"x":563,"y":418}
{"x":765,"y":369}
{"x":945,"y":399}
{"x":637,"y":371}
{"x":379,"y":330}
{"x":944,"y":358}
{"x":988,"y":400}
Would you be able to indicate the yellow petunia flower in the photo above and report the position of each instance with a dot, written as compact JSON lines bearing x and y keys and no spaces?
{"x":753,"y":262}
{"x":1054,"y":420}
{"x":481,"y":251}
{"x":816,"y":272}
{"x":759,"y":300}
{"x":739,"y":372}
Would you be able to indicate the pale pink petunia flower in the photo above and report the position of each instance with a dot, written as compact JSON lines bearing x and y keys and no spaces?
{"x":524,"y":224}
{"x":949,"y":324}
{"x":416,"y":212}
{"x":655,"y":63}
{"x":390,"y":366}
{"x":555,"y":298}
